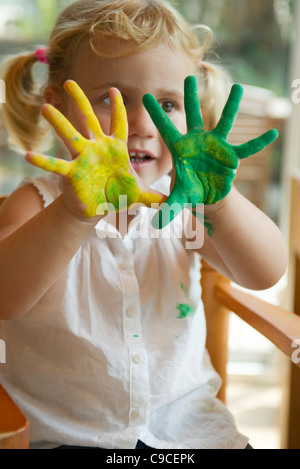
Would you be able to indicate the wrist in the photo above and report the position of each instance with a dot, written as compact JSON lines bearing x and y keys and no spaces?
{"x":210,"y":209}
{"x":76,"y":218}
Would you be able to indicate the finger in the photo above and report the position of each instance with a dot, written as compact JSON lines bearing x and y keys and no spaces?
{"x":165,"y":126}
{"x":119,"y":125}
{"x":147,"y":195}
{"x":192,"y":104}
{"x":49,"y":163}
{"x":257,"y":144}
{"x":167,"y":212}
{"x":230,"y":111}
{"x":149,"y":198}
{"x":64,"y":129}
{"x":84,"y":107}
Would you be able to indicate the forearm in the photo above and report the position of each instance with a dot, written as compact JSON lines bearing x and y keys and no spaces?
{"x":250,"y":245}
{"x":33,"y":256}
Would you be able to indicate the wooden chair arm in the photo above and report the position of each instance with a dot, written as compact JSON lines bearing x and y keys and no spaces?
{"x":14,"y":427}
{"x":280,"y":326}
{"x":3,"y":199}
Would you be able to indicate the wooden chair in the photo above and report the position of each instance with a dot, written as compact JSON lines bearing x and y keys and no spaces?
{"x":14,"y":427}
{"x":280,"y":326}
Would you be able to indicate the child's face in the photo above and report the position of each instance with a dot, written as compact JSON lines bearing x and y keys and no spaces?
{"x":160,"y":71}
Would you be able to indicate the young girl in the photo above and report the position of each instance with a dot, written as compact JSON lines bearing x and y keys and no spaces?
{"x":105,"y":330}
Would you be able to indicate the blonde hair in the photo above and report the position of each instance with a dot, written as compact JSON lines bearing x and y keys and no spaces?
{"x":145,"y":23}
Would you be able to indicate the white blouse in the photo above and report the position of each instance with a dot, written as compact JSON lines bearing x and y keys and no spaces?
{"x":106,"y":358}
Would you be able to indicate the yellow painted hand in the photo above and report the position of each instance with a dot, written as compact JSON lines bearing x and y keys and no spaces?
{"x":99,"y":172}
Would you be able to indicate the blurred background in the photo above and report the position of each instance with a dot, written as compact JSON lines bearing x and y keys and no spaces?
{"x":258,"y":43}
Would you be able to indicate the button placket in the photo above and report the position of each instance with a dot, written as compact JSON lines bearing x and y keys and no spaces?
{"x":137,"y":356}
{"x":139,"y":389}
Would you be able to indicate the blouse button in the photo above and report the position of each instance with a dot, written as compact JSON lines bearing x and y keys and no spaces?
{"x":136,"y":415}
{"x":130,"y":311}
{"x":137,"y":358}
{"x":123,"y":265}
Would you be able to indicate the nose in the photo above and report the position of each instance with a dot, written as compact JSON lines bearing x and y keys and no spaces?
{"x":140,"y":123}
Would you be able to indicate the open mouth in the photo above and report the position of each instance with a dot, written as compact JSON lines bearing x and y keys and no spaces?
{"x":139,"y":158}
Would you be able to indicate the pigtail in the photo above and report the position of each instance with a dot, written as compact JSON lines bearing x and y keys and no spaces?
{"x":214,"y":86}
{"x":21,"y":111}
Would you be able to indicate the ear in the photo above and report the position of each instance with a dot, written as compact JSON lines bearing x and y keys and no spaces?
{"x":55,"y":97}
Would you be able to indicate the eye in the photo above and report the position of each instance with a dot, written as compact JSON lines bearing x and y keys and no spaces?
{"x":168,"y":106}
{"x":106,"y":100}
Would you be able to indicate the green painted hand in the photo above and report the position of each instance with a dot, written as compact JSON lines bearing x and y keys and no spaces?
{"x":99,"y":172}
{"x":205,"y":163}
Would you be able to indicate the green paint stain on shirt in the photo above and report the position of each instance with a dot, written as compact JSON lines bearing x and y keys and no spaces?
{"x":185,"y":290}
{"x":185,"y":309}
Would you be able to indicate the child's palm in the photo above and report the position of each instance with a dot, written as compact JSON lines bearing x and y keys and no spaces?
{"x":204,"y":162}
{"x":208,"y":165}
{"x":99,"y":173}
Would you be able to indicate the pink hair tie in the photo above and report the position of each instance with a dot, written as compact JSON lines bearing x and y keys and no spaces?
{"x":41,"y":55}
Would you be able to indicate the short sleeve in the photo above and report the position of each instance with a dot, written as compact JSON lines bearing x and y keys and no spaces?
{"x":49,"y":186}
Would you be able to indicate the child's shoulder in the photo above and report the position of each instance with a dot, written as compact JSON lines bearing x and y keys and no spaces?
{"x":29,"y":198}
{"x":48,"y":187}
